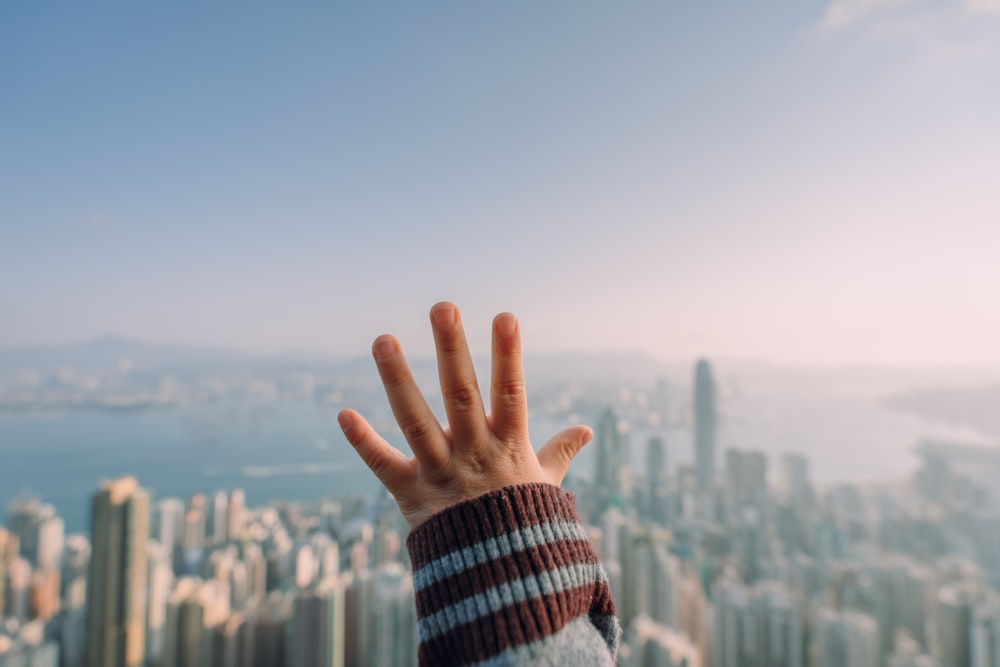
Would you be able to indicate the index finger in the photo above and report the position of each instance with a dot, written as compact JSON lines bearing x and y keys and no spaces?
{"x":415,"y":418}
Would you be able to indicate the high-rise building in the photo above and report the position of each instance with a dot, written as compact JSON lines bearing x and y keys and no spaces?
{"x":746,"y":477}
{"x":704,"y":429}
{"x":18,"y":589}
{"x":755,"y":627}
{"x":170,"y":530}
{"x":316,"y":632}
{"x":161,"y":579}
{"x":393,"y":615}
{"x":656,"y":480}
{"x":9,"y":552}
{"x":652,"y":644}
{"x":117,"y":581}
{"x":984,"y":633}
{"x":612,"y":458}
{"x":795,"y":479}
{"x":193,"y":540}
{"x":220,"y":517}
{"x":905,"y":591}
{"x":845,"y":639}
{"x":40,"y":531}
{"x":195,"y":610}
{"x":236,"y":515}
{"x":44,"y":595}
{"x":955,"y":604}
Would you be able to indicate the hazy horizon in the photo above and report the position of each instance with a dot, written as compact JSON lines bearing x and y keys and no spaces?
{"x":481,"y":353}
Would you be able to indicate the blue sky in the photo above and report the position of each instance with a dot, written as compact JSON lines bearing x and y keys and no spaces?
{"x":810,"y":182}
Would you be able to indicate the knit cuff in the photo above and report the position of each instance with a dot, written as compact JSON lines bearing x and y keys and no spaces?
{"x":502,"y":571}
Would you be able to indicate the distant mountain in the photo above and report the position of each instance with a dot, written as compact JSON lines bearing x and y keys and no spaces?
{"x":109,"y":351}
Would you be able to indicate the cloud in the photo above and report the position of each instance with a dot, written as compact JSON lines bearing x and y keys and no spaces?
{"x":842,"y":13}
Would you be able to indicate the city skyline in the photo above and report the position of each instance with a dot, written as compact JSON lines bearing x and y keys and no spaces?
{"x":810,"y":184}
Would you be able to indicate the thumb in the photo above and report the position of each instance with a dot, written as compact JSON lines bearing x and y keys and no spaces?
{"x":556,"y":454}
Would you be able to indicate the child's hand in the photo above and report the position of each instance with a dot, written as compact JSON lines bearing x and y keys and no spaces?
{"x":476,"y":454}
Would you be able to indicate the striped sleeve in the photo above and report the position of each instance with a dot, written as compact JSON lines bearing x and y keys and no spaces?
{"x":510,"y":578}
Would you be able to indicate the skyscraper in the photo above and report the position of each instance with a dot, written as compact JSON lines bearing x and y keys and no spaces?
{"x":608,"y":451}
{"x":845,"y":638}
{"x":40,"y":531}
{"x":704,"y":428}
{"x":116,"y":585}
{"x":612,"y":458}
{"x":755,"y":627}
{"x":656,"y":479}
{"x":9,"y":551}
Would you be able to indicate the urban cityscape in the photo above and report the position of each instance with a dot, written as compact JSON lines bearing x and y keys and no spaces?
{"x":752,"y":245}
{"x":738,"y":559}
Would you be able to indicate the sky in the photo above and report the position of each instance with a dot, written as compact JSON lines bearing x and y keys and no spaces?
{"x":806,"y":182}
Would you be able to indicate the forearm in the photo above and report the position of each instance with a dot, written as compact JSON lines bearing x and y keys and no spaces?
{"x":511,"y":578}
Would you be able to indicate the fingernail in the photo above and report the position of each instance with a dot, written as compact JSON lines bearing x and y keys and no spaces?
{"x":506,"y":324}
{"x":444,"y":316}
{"x":383,"y":349}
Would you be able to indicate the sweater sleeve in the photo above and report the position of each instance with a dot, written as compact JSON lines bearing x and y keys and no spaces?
{"x":510,"y":578}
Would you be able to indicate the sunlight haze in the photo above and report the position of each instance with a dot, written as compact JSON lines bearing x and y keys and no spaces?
{"x":806,"y":182}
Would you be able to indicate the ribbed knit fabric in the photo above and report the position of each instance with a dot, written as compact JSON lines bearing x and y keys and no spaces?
{"x":510,"y":578}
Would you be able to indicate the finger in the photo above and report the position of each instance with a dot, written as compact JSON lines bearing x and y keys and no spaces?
{"x":459,"y":388}
{"x":508,"y":400}
{"x":556,"y":455}
{"x":389,"y":464}
{"x":419,"y":425}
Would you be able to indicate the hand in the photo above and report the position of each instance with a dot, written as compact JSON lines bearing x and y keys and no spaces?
{"x":477,"y":453}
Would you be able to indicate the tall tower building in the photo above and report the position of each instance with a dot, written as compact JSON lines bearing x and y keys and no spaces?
{"x":845,"y":638}
{"x":795,"y":479}
{"x":755,"y":627}
{"x":116,"y":585}
{"x":704,"y":428}
{"x":196,"y":609}
{"x":220,"y":516}
{"x":612,"y":458}
{"x":169,"y":530}
{"x":656,"y":479}
{"x":9,"y":551}
{"x":40,"y":531}
{"x":608,"y":451}
{"x":236,"y":519}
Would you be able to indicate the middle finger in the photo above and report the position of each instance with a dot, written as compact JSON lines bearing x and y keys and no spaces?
{"x":460,"y":390}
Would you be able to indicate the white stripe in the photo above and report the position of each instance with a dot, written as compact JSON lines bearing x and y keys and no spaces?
{"x":576,"y":644}
{"x":494,"y":599}
{"x":494,"y":548}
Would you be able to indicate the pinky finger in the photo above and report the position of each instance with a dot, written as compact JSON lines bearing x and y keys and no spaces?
{"x":556,"y":455}
{"x":390,"y":465}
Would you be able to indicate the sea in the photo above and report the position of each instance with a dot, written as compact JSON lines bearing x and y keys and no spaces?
{"x":293,"y":450}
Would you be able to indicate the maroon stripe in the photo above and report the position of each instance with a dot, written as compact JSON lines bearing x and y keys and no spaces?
{"x":513,"y":626}
{"x":530,"y":562}
{"x":496,"y":513}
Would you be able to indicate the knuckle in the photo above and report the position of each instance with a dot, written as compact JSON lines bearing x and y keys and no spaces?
{"x":462,"y":396}
{"x":379,"y":465}
{"x":478,"y":463}
{"x":415,"y":428}
{"x":510,"y":393}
